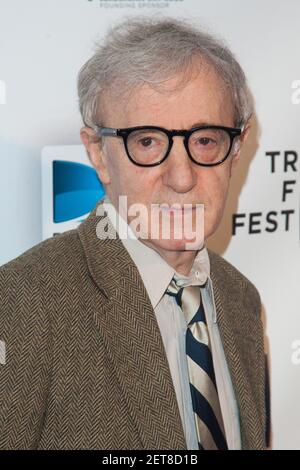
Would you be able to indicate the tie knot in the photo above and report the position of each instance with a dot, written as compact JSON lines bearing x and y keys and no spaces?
{"x":175,"y":291}
{"x":189,"y":300}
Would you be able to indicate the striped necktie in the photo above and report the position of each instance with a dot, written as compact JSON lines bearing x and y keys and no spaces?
{"x":205,"y":400}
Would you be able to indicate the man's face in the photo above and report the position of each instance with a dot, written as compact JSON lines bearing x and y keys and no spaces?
{"x":178,"y":179}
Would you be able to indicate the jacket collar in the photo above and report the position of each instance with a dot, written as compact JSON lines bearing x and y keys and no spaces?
{"x":242,"y":353}
{"x":107,"y":260}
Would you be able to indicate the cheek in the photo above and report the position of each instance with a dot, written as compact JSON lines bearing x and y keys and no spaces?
{"x":217,"y":183}
{"x":116,"y":162}
{"x":127,"y":178}
{"x":216,"y":188}
{"x":222,"y":185}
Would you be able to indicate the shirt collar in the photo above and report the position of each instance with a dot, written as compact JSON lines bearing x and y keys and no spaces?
{"x":155,"y":272}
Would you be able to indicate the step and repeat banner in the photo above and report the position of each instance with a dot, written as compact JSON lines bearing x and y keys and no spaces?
{"x":47,"y":184}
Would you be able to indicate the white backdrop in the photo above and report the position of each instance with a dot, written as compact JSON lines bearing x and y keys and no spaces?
{"x":42,"y":46}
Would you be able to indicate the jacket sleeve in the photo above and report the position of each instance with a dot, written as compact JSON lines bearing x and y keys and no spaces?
{"x":25,"y":358}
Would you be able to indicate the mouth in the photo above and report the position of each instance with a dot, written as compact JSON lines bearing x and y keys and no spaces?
{"x":175,"y":208}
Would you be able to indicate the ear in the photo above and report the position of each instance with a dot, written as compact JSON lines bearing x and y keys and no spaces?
{"x":238,"y":144}
{"x":94,"y":147}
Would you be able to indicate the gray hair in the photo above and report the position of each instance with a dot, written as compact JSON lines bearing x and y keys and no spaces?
{"x":146,"y":50}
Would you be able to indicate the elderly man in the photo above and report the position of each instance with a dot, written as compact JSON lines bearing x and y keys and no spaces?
{"x":146,"y":340}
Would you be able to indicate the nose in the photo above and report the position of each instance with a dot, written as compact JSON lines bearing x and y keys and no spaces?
{"x":179,"y":174}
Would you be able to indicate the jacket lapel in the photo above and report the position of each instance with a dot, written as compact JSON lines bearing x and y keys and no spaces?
{"x":127,"y":324}
{"x":238,"y":347}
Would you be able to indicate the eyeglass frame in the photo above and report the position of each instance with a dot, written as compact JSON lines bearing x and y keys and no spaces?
{"x":233,"y":132}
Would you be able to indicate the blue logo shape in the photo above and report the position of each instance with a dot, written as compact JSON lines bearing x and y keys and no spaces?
{"x":76,"y":190}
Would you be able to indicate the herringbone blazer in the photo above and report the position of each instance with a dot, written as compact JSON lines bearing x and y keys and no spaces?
{"x":85,"y":362}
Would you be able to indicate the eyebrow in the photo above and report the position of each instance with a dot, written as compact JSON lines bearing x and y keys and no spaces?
{"x":199,"y":124}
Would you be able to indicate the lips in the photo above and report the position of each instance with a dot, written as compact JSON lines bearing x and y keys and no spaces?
{"x":176,"y":208}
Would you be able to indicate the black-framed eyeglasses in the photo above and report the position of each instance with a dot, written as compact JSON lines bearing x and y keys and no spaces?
{"x":150,"y":145}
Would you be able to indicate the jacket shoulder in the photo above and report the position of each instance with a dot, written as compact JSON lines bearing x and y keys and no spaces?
{"x":43,"y":275}
{"x":230,"y":279}
{"x":56,"y":252}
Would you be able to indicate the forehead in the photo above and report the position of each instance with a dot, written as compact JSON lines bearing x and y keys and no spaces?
{"x":179,"y":102}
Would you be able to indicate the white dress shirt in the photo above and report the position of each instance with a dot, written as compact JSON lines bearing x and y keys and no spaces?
{"x":156,"y":275}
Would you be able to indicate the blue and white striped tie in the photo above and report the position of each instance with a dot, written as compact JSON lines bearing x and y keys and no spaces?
{"x":205,"y":400}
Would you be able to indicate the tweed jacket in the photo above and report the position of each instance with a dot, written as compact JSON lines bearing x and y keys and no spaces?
{"x":85,"y":363}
